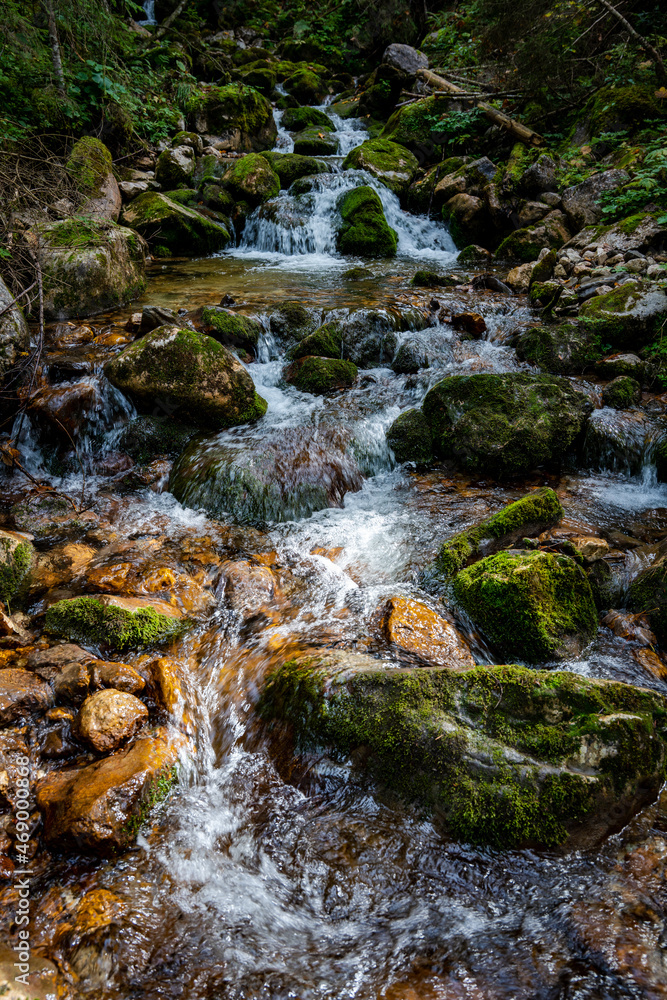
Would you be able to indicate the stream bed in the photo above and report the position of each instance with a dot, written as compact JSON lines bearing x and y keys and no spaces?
{"x":259,"y":880}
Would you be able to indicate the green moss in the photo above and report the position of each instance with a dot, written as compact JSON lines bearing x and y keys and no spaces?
{"x":75,"y":234}
{"x":296,"y":119}
{"x":172,"y":228}
{"x":624,"y":107}
{"x":364,"y":230}
{"x":409,"y":437}
{"x":155,"y":793}
{"x":519,"y":245}
{"x":16,"y":562}
{"x":306,"y":86}
{"x":431,"y":279}
{"x":626,"y":316}
{"x":544,"y":293}
{"x":544,"y":268}
{"x":86,"y":619}
{"x":231,"y":328}
{"x":291,"y":321}
{"x":252,"y":178}
{"x":392,"y":163}
{"x":648,"y":595}
{"x":314,"y":142}
{"x":413,"y":125}
{"x":622,"y":393}
{"x":561,"y":349}
{"x":244,"y":108}
{"x":146,"y":437}
{"x":291,"y":166}
{"x":325,"y":342}
{"x":528,"y":603}
{"x":321,"y":375}
{"x":526,"y":517}
{"x":426,"y":731}
{"x":89,"y":165}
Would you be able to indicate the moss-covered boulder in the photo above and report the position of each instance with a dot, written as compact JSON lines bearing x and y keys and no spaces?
{"x":468,"y":219}
{"x":307,"y":86}
{"x":315,"y":141}
{"x":146,"y":437}
{"x":172,"y":229}
{"x":91,"y":168}
{"x":252,"y":179}
{"x":532,"y":605}
{"x":89,"y":267}
{"x":625,"y":107}
{"x":261,"y":77}
{"x":409,"y":437}
{"x":410,"y":358}
{"x":391,"y":163}
{"x":112,"y":622}
{"x":622,"y":393}
{"x":14,"y":333}
{"x":203,"y":382}
{"x":291,"y":166}
{"x":524,"y":518}
{"x":17,"y":557}
{"x":500,"y":755}
{"x":648,"y":595}
{"x":231,"y":328}
{"x":321,"y":375}
{"x":291,"y":321}
{"x":526,"y":244}
{"x":325,"y":342}
{"x":296,"y":119}
{"x":504,"y":424}
{"x":284,"y":476}
{"x":562,"y":349}
{"x":628,"y":316}
{"x":414,"y":124}
{"x":364,"y":231}
{"x":175,"y":168}
{"x":239,"y":115}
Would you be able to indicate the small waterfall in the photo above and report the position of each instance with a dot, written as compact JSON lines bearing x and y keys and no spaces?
{"x":284,"y":142}
{"x":149,"y":10}
{"x":622,"y":441}
{"x":307,"y":223}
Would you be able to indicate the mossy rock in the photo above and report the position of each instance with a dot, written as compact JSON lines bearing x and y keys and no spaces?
{"x":89,"y":267}
{"x":200,"y":379}
{"x":231,"y":328}
{"x":414,"y":124}
{"x":17,"y":557}
{"x":263,"y":78}
{"x":431,"y":279}
{"x":532,"y":605}
{"x":291,"y":321}
{"x":306,"y":86}
{"x":14,"y":332}
{"x":252,"y":179}
{"x":291,"y":166}
{"x":91,"y":620}
{"x":389,"y":162}
{"x":182,"y":196}
{"x":145,"y":437}
{"x":526,"y":244}
{"x":627,"y":107}
{"x":524,"y":518}
{"x":365,"y":231}
{"x":215,"y":196}
{"x":563,"y":349}
{"x":504,"y":424}
{"x":171,"y":228}
{"x":501,"y":755}
{"x":410,"y":358}
{"x":627,"y":316}
{"x":314,"y":141}
{"x":89,"y":165}
{"x":325,"y":342}
{"x":297,"y":119}
{"x":238,"y":111}
{"x":409,"y":437}
{"x":544,"y":268}
{"x":622,"y":393}
{"x":544,"y":293}
{"x":648,"y":595}
{"x":473,"y":256}
{"x":321,"y":375}
{"x":175,"y":168}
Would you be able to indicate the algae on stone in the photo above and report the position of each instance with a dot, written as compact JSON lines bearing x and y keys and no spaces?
{"x":321,"y":375}
{"x":409,"y":437}
{"x":88,"y":619}
{"x":365,"y":231}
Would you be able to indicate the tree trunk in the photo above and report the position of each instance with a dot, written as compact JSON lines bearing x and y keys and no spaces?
{"x":166,"y":24}
{"x":519,"y":131}
{"x":660,"y":71}
{"x":54,"y":42}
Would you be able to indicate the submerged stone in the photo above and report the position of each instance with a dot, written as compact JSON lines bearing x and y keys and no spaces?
{"x":525,"y":518}
{"x":504,"y":424}
{"x":501,"y":755}
{"x":282,"y":477}
{"x":532,"y":605}
{"x":321,"y":375}
{"x":417,"y":632}
{"x":409,"y":437}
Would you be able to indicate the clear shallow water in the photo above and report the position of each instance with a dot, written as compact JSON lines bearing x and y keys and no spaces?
{"x":257,"y":882}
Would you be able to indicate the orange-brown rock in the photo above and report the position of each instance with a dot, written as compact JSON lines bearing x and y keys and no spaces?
{"x":100,"y":807}
{"x":72,"y":683}
{"x":649,"y":660}
{"x":111,"y":579}
{"x":61,"y":409}
{"x":22,"y":694}
{"x":64,"y":335}
{"x":98,"y":910}
{"x":58,"y":567}
{"x":470,"y":322}
{"x":42,"y":980}
{"x":249,"y":588}
{"x":108,"y":718}
{"x":413,"y":628}
{"x":116,"y":675}
{"x":168,"y":683}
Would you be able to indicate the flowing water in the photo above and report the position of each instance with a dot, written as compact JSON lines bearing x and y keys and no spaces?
{"x":256,"y":881}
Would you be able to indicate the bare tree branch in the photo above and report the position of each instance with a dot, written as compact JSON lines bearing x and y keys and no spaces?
{"x":660,"y":72}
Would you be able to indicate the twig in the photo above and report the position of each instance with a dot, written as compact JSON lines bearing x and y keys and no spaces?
{"x":19,"y":296}
{"x":645,"y":44}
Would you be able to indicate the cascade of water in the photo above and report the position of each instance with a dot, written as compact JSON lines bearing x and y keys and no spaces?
{"x":149,"y":9}
{"x":284,"y":141}
{"x":307,"y":223}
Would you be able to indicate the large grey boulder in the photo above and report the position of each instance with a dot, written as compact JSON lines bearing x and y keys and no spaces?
{"x":14,"y":336}
{"x":90,"y":167}
{"x":175,"y":168}
{"x":405,"y":58}
{"x":580,"y":202}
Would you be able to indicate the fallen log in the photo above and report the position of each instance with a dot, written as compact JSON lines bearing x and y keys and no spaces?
{"x":519,"y":131}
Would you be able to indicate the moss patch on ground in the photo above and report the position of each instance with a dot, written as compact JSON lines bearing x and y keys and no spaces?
{"x":86,"y":619}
